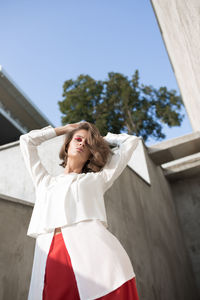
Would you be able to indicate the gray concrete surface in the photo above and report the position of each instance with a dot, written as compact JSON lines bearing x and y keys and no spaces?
{"x":186,"y":193}
{"x":15,"y":180}
{"x":185,"y":167}
{"x":16,"y":249}
{"x":179,"y":22}
{"x":173,"y":149}
{"x":142,"y":216}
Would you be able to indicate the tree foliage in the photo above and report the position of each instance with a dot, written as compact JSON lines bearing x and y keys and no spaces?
{"x":121,"y":105}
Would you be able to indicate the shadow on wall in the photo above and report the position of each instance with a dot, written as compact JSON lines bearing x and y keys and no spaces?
{"x":16,"y":249}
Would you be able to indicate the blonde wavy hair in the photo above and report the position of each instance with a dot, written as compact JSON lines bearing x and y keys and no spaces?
{"x":98,"y":146}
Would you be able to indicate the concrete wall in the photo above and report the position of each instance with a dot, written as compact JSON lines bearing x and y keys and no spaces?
{"x":179,"y":22}
{"x":142,"y":216}
{"x":16,"y":249}
{"x":15,"y":180}
{"x":186,"y":193}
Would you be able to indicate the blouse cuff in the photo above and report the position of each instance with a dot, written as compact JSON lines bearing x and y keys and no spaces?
{"x":48,"y":132}
{"x":37,"y":136}
{"x":117,"y":138}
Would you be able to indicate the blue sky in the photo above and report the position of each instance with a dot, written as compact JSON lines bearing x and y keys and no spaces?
{"x":44,"y":43}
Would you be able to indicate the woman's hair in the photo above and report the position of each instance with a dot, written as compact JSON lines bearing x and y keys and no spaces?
{"x":98,"y":146}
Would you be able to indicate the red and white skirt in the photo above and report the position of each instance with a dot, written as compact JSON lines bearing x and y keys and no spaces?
{"x":83,"y":262}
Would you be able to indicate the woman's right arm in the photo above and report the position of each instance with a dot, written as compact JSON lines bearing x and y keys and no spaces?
{"x":28,"y":146}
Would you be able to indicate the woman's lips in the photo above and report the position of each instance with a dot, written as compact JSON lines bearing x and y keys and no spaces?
{"x":80,"y":149}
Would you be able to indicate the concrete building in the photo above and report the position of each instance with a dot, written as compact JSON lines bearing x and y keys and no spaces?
{"x":179,"y":22}
{"x":18,"y":114}
{"x":153,"y":208}
{"x":145,"y":217}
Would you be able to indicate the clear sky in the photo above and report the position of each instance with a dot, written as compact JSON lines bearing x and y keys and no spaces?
{"x":44,"y":43}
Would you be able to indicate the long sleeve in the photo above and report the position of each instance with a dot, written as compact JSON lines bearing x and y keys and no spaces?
{"x":28,"y":147}
{"x":125,"y":146}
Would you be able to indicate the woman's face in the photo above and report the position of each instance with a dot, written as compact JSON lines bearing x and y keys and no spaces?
{"x":78,"y":148}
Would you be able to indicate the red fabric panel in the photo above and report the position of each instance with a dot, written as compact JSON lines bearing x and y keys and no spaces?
{"x":127,"y":291}
{"x":60,"y":282}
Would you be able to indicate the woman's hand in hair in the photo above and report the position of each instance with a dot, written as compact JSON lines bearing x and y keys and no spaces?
{"x":66,"y":128}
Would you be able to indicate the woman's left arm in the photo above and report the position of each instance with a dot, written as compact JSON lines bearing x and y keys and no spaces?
{"x":125,"y":146}
{"x":28,"y":146}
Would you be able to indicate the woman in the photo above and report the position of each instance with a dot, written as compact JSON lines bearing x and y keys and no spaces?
{"x":76,"y":257}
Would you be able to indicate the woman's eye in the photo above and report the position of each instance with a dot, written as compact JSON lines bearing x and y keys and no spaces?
{"x":78,"y":139}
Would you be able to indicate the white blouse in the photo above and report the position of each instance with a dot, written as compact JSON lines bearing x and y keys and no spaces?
{"x":70,"y":198}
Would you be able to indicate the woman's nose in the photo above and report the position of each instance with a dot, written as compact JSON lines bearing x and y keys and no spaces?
{"x":82,"y":143}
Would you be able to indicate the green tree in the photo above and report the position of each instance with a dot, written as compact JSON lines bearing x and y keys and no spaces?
{"x":121,"y":105}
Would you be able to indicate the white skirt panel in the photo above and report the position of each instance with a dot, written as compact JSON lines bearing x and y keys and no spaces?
{"x":99,"y":261}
